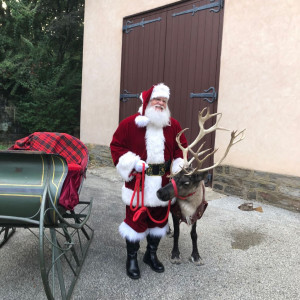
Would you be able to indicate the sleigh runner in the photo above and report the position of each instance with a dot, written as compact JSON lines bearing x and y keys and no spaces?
{"x":40,"y":181}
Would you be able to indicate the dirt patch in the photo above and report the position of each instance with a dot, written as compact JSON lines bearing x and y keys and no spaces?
{"x":244,"y":239}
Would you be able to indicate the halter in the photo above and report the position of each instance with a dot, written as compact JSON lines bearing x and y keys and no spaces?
{"x":199,"y":210}
{"x":176,"y":191}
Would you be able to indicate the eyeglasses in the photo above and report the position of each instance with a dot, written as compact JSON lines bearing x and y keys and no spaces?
{"x":164,"y":101}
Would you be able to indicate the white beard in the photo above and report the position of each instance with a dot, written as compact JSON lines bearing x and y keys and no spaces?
{"x":158,"y":118}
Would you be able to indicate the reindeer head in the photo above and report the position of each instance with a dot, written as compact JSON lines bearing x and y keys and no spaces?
{"x":187,"y":180}
{"x":185,"y":185}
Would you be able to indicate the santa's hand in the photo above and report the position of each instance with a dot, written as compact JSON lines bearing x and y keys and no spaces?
{"x":139,"y":166}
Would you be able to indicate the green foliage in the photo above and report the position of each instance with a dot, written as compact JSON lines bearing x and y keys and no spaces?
{"x":41,"y":60}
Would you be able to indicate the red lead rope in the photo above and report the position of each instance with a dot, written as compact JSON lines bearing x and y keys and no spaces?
{"x":143,"y":208}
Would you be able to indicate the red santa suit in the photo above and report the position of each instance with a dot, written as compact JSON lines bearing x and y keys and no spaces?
{"x":136,"y":140}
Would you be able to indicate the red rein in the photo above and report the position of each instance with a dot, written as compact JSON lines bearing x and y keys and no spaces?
{"x":143,"y":208}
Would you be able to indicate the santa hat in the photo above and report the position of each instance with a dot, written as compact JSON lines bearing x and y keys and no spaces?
{"x":159,"y":90}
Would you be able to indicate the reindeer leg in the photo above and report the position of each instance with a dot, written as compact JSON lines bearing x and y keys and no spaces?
{"x":170,"y":231}
{"x":195,"y":257}
{"x":175,"y":255}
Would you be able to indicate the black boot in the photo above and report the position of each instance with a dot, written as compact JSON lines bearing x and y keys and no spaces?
{"x":132,"y":267}
{"x":150,"y":257}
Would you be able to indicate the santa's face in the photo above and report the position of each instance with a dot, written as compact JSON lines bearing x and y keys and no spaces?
{"x":159,"y":103}
{"x":158,"y":112}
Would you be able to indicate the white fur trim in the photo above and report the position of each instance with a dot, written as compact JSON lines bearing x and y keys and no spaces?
{"x":155,"y":144}
{"x":177,"y":165}
{"x":126,"y":164}
{"x":152,"y":185}
{"x":141,"y":121}
{"x":159,"y":232}
{"x":160,"y":90}
{"x":130,"y":234}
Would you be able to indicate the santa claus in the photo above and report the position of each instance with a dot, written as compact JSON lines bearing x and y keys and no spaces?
{"x":147,"y":139}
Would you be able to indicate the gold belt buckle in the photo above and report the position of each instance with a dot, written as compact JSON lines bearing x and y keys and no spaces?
{"x":161,"y":170}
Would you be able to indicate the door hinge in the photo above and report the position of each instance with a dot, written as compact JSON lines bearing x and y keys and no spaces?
{"x":206,"y":95}
{"x":125,"y":96}
{"x":127,"y":27}
{"x":213,"y":3}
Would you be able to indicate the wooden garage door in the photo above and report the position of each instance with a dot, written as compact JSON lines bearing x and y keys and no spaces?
{"x":179,"y":45}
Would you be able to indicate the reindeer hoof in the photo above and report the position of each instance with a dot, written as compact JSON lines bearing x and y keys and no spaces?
{"x":175,"y":260}
{"x":197,"y":262}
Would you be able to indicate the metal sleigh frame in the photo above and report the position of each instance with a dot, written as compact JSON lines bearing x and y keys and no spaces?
{"x":64,"y":236}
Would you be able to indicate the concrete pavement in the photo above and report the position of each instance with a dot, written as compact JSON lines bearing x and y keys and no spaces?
{"x":247,"y":255}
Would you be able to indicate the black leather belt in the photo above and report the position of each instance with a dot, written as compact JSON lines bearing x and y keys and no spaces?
{"x":158,"y":169}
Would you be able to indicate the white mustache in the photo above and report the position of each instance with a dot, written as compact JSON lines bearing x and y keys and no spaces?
{"x":159,"y":106}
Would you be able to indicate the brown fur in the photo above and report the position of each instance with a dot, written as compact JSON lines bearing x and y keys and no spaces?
{"x":185,"y":185}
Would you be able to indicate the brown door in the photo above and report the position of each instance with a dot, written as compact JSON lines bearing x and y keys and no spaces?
{"x":143,"y":55}
{"x":180,"y":46}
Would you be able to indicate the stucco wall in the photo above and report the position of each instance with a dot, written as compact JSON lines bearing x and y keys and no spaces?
{"x":102,"y":65}
{"x":259,"y":84}
{"x":259,"y":80}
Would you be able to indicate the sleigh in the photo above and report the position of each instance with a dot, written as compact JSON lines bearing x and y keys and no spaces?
{"x":41,"y":177}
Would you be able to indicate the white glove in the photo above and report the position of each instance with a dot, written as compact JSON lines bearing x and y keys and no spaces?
{"x":139,"y":166}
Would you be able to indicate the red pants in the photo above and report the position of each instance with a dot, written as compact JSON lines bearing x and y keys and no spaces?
{"x":144,"y":222}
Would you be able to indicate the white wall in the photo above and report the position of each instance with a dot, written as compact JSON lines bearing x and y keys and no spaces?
{"x":259,"y":84}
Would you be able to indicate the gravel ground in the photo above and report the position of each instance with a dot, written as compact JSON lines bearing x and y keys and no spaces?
{"x":246,"y":254}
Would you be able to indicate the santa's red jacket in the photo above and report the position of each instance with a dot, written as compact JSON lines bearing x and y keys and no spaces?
{"x":152,"y":144}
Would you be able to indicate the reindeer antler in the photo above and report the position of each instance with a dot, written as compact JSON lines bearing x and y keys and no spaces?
{"x":203,"y":116}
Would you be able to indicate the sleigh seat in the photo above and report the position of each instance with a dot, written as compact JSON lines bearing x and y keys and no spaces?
{"x":71,"y":149}
{"x":41,"y":177}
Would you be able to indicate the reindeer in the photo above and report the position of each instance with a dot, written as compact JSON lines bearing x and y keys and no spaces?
{"x":187,"y":185}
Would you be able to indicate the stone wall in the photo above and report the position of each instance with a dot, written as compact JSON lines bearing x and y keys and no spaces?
{"x":276,"y":189}
{"x":99,"y":156}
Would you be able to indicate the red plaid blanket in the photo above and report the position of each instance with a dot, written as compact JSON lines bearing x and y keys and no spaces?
{"x":70,"y":148}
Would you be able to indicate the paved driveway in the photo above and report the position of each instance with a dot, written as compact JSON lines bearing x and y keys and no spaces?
{"x":247,"y":255}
